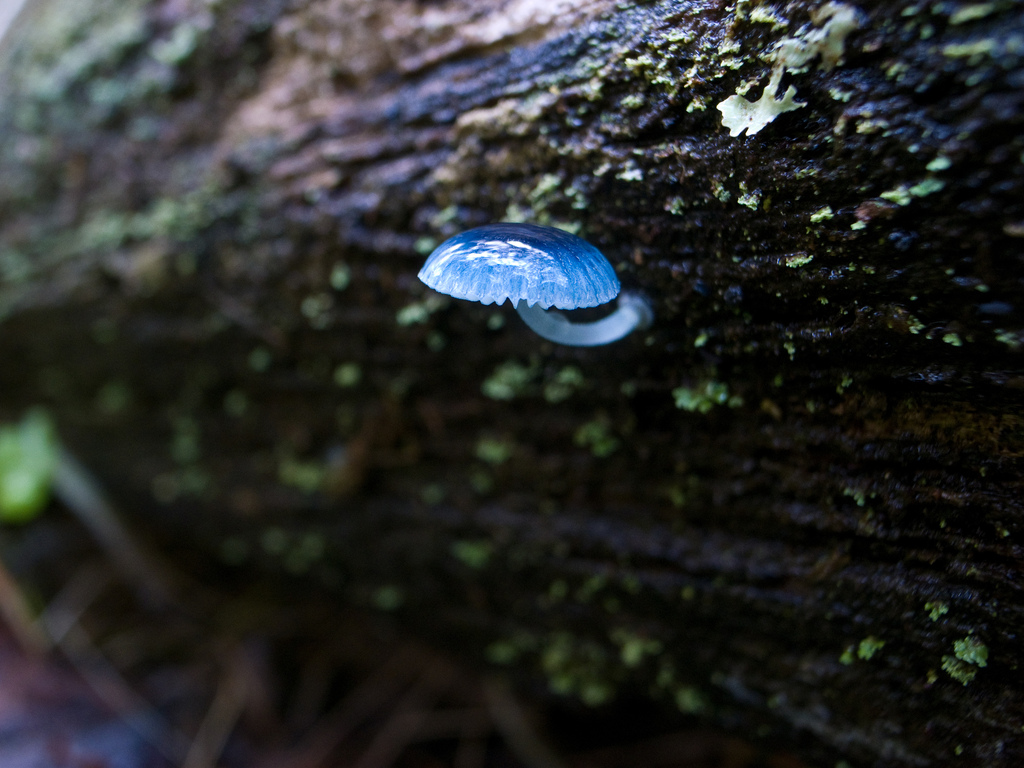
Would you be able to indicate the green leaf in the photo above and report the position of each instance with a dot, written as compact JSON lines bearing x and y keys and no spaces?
{"x":28,"y":458}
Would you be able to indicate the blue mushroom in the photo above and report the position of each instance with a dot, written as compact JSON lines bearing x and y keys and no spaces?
{"x":537,"y":268}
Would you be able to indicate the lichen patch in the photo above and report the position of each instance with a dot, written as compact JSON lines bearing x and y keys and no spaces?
{"x":792,"y":54}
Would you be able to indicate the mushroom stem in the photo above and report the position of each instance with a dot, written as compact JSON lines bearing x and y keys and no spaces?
{"x":633,"y":311}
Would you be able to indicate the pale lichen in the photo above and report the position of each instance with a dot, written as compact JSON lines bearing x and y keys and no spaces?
{"x":739,"y":114}
{"x":792,"y":54}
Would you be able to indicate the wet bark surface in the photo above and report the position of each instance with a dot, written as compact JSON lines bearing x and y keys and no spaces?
{"x":792,"y":508}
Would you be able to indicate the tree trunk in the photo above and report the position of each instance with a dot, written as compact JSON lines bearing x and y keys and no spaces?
{"x":792,"y":508}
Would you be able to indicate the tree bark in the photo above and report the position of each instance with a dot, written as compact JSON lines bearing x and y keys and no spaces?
{"x":792,"y":508}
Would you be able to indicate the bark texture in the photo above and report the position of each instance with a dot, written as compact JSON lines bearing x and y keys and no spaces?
{"x":792,"y":508}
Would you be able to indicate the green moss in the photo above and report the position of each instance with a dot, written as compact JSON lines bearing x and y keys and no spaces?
{"x":899,"y":195}
{"x":634,"y":648}
{"x":798,"y":260}
{"x":676,"y":496}
{"x":690,"y":700}
{"x":926,"y":187}
{"x":494,"y":450}
{"x":446,"y":215}
{"x":190,"y":480}
{"x":424,"y":245}
{"x":546,"y":185}
{"x":113,"y":398}
{"x":591,"y":587}
{"x":675,"y":205}
{"x":481,"y":481}
{"x":307,"y":550}
{"x":348,"y":375}
{"x":475,"y":553}
{"x":388,"y":598}
{"x":868,"y":647}
{"x":259,"y":359}
{"x":633,"y":101}
{"x":71,"y":46}
{"x":859,"y":496}
{"x":976,"y":50}
{"x":1014,"y":339}
{"x":173,"y":218}
{"x":864,"y":650}
{"x":597,"y":435}
{"x":564,"y":384}
{"x":720,"y":192}
{"x":178,"y":47}
{"x":905,"y":193}
{"x":502,"y":652}
{"x":580,"y":668}
{"x":558,"y":590}
{"x":971,"y":12}
{"x":703,"y":397}
{"x":340,"y":277}
{"x":15,"y":267}
{"x":436,"y":341}
{"x":419,"y":312}
{"x":509,"y":380}
{"x":274,"y":540}
{"x":306,"y":476}
{"x":960,"y":671}
{"x":236,"y":403}
{"x":433,"y":493}
{"x":185,"y":441}
{"x":316,"y":308}
{"x":969,"y":654}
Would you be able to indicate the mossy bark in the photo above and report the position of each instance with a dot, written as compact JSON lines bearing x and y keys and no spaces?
{"x":791,"y":508}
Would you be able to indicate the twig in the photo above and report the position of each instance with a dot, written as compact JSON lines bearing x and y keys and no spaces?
{"x":376,"y":691}
{"x":18,"y":617}
{"x":61,"y":621}
{"x":79,"y":491}
{"x":221,"y":718}
{"x":520,"y":736}
{"x":66,"y":608}
{"x":311,"y":692}
{"x":133,"y":710}
{"x":405,"y":720}
{"x":472,"y":753}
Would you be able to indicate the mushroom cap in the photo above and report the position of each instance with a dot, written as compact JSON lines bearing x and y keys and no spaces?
{"x":521,"y":262}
